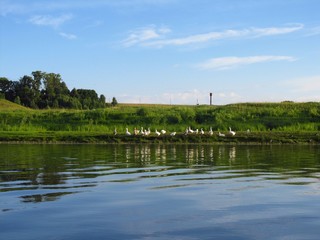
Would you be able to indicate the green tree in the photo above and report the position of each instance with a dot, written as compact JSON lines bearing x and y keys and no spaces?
{"x":25,"y":90}
{"x":54,"y":88}
{"x":4,"y":84}
{"x":114,"y":102}
{"x":102,"y":101}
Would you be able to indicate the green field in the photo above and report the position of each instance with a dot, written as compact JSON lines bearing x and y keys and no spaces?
{"x":285,"y":122}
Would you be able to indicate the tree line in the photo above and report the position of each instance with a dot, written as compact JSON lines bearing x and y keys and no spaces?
{"x":44,"y":90}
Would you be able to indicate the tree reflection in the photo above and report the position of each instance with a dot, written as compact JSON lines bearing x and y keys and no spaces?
{"x":44,"y":197}
{"x":60,"y":169}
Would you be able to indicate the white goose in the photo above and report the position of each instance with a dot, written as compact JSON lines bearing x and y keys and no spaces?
{"x":210,"y":131}
{"x":221,"y":134}
{"x":173,"y":134}
{"x":127,"y":132}
{"x":163,"y":131}
{"x":232,"y":132}
{"x":157,"y":133}
{"x":201,"y":131}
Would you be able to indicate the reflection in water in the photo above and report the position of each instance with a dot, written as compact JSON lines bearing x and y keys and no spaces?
{"x":160,"y":191}
{"x":62,"y":167}
{"x":43,"y":197}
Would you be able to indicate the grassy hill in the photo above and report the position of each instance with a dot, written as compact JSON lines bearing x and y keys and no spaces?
{"x":7,"y":105}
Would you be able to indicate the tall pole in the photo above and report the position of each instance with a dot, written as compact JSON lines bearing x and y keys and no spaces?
{"x":210,"y":99}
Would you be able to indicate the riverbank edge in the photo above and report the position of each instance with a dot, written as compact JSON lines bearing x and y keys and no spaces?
{"x":241,"y":138}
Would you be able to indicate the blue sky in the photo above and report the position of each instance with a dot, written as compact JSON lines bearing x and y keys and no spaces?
{"x":168,"y":51}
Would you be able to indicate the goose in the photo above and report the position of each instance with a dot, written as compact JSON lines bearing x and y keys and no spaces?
{"x":146,"y":133}
{"x":127,"y":132}
{"x":232,"y":132}
{"x":190,"y":130}
{"x":201,"y":131}
{"x":221,"y":134}
{"x":142,"y":131}
{"x":186,"y":132}
{"x":197,"y":131}
{"x":210,"y":131}
{"x":135,"y":131}
{"x":157,"y":133}
{"x":115,"y":132}
{"x":163,"y":131}
{"x":173,"y":134}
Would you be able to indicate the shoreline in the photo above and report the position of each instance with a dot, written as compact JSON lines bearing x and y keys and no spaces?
{"x":241,"y":138}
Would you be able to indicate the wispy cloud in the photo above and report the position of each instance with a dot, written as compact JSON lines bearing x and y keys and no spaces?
{"x":47,"y":20}
{"x":232,"y":62}
{"x":305,"y":84}
{"x":258,"y":32}
{"x":142,"y":35}
{"x":68,"y":36}
{"x":155,"y":41}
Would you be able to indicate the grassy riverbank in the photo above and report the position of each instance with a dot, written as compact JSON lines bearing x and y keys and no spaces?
{"x":284,"y":122}
{"x":97,"y":137}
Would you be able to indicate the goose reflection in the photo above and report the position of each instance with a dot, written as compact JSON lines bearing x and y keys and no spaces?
{"x":232,"y":154}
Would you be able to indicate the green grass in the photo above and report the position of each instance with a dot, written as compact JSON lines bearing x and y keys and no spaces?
{"x":285,"y":122}
{"x":6,"y":105}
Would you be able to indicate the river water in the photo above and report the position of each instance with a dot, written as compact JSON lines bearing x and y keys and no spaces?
{"x":159,"y":192}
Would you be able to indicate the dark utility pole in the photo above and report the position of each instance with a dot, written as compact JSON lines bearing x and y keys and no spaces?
{"x":210,"y":99}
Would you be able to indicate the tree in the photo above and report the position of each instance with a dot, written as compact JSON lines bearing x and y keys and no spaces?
{"x":114,"y":102}
{"x":102,"y":100}
{"x":4,"y":84}
{"x":7,"y":88}
{"x":25,"y":90}
{"x":47,"y":90}
{"x":54,"y":88}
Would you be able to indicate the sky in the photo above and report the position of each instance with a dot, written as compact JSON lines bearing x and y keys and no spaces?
{"x":168,"y":51}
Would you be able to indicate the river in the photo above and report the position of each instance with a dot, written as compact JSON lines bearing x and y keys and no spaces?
{"x":159,"y":192}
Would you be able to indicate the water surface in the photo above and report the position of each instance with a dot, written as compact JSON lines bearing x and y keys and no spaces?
{"x":159,"y":192}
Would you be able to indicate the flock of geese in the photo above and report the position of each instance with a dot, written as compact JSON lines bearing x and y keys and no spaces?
{"x":147,"y":132}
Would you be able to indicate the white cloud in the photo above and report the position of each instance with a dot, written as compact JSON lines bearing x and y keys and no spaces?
{"x":257,"y":32}
{"x":303,"y":85}
{"x":211,"y":36}
{"x":47,"y":20}
{"x":232,"y":62}
{"x":142,"y":35}
{"x":68,"y":36}
{"x":198,"y":38}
